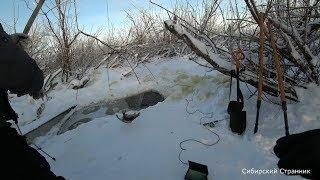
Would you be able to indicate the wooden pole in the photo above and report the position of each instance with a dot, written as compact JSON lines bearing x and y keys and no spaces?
{"x":279,"y":77}
{"x":33,"y":17}
{"x":261,"y":64}
{"x":238,"y":56}
{"x":261,"y":54}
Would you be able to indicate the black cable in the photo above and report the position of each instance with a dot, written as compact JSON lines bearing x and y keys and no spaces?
{"x":269,"y":100}
{"x":18,"y":128}
{"x":38,"y":147}
{"x":193,"y":112}
{"x":252,"y":93}
{"x":265,"y":98}
{"x":206,"y":115}
{"x":215,"y":121}
{"x":205,"y":144}
{"x":276,"y":116}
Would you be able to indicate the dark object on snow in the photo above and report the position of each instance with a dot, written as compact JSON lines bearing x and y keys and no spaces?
{"x":260,"y":73}
{"x":144,"y":100}
{"x":128,"y":118}
{"x":238,"y":117}
{"x":20,"y":161}
{"x":78,"y":84}
{"x":300,"y":152}
{"x":19,"y":73}
{"x":235,"y":105}
{"x":279,"y":71}
{"x":196,"y":171}
{"x":280,"y":79}
{"x":151,"y":98}
{"x":6,"y":111}
{"x":238,"y":122}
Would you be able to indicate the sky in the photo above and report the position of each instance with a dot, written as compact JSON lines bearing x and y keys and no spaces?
{"x":93,"y":14}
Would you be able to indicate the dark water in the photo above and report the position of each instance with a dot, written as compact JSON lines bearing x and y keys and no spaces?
{"x":87,"y":114}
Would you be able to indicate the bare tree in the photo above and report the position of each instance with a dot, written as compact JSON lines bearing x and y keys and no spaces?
{"x":296,"y":27}
{"x":62,"y":24}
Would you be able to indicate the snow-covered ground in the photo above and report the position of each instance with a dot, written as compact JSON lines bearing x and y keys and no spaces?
{"x":148,"y":148}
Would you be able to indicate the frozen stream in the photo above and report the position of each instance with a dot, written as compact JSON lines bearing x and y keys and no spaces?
{"x":92,"y":111}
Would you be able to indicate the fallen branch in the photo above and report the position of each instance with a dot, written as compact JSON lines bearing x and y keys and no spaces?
{"x":47,"y":85}
{"x":200,"y":48}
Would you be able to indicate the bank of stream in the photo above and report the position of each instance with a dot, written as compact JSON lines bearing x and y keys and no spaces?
{"x":75,"y":116}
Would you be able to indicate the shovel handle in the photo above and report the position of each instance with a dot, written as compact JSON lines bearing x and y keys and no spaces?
{"x":261,"y":59}
{"x":261,"y":54}
{"x":237,"y":55}
{"x":277,"y":64}
{"x":279,"y":77}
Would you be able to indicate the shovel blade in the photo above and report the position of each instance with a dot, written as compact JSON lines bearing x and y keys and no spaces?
{"x":238,"y":122}
{"x":234,"y":106}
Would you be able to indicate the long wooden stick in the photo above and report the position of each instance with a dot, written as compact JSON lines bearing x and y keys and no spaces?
{"x":33,"y":17}
{"x":261,"y":54}
{"x":279,"y":77}
{"x":261,"y":64}
{"x":237,"y":55}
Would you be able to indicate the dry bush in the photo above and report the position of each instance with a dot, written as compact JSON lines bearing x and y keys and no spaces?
{"x":220,"y":25}
{"x":296,"y":27}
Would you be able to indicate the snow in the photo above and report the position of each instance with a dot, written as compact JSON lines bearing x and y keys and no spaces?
{"x":97,"y":90}
{"x":148,"y":148}
{"x":314,"y":59}
{"x":294,"y":53}
{"x":201,"y":45}
{"x":84,"y":80}
{"x":75,"y":83}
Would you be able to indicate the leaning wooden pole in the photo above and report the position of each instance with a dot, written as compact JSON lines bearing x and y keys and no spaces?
{"x":261,"y":64}
{"x":279,"y":77}
{"x":238,"y":56}
{"x":33,"y":17}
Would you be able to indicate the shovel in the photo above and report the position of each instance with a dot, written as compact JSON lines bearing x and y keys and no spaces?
{"x":234,"y":105}
{"x":238,"y":117}
{"x":238,"y":104}
{"x":261,"y":59}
